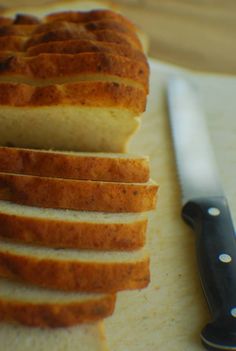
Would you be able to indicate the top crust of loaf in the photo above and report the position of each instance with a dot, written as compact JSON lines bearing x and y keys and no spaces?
{"x":77,"y":46}
{"x":18,"y":43}
{"x":70,"y":16}
{"x":26,"y":30}
{"x":94,"y":15}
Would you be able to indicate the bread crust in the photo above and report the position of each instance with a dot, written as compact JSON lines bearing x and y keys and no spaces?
{"x":18,"y":43}
{"x":27,"y":30}
{"x":86,"y":94}
{"x":103,"y":277}
{"x":72,"y":166}
{"x":101,"y":24}
{"x":100,"y":35}
{"x":77,"y":194}
{"x":93,"y":15}
{"x":12,"y":43}
{"x":55,"y":315}
{"x":22,"y":30}
{"x":70,"y":234}
{"x":47,"y":66}
{"x":79,"y":46}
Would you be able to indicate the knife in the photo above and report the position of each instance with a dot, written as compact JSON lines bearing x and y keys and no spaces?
{"x":206,"y":210}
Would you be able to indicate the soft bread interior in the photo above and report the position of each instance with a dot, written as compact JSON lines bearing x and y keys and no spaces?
{"x":67,"y":127}
{"x":69,"y":215}
{"x":13,"y":291}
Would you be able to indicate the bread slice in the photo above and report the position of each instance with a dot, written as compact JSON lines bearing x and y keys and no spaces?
{"x":19,"y":43}
{"x":75,"y":270}
{"x":77,"y":46}
{"x":85,"y":337}
{"x":37,"y":307}
{"x":82,"y":195}
{"x":75,"y":165}
{"x":72,"y":229}
{"x":46,"y":69}
{"x":87,"y":116}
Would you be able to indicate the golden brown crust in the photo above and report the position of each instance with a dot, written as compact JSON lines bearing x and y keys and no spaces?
{"x":72,"y":166}
{"x":77,"y":194}
{"x":106,"y":35}
{"x":47,"y":66}
{"x":22,"y":30}
{"x":94,"y":15}
{"x":5,"y":21}
{"x":72,"y":275}
{"x":18,"y":43}
{"x":12,"y":43}
{"x":55,"y":315}
{"x":21,"y":18}
{"x":67,"y":234}
{"x":89,"y":94}
{"x":106,"y":24}
{"x":32,"y":30}
{"x":78,"y":46}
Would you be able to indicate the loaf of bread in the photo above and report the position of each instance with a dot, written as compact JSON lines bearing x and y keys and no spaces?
{"x":37,"y":307}
{"x":71,"y":81}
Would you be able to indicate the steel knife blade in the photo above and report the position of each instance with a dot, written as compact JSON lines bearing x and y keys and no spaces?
{"x":206,"y":210}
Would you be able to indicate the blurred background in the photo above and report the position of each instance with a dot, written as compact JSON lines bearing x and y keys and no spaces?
{"x":198,"y":34}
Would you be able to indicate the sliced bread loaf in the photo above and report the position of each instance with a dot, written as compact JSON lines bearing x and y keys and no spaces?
{"x":75,"y":165}
{"x":74,"y":270}
{"x":37,"y":307}
{"x":88,"y":116}
{"x":85,"y":337}
{"x":82,"y":195}
{"x":72,"y":229}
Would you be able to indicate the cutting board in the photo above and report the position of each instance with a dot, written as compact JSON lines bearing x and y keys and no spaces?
{"x":170,"y":313}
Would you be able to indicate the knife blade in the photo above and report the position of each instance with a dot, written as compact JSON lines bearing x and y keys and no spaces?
{"x":206,"y":210}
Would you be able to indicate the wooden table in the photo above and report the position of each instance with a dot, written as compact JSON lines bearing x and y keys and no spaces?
{"x":196,"y":34}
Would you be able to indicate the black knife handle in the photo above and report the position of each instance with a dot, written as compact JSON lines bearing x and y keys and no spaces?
{"x":216,"y":254}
